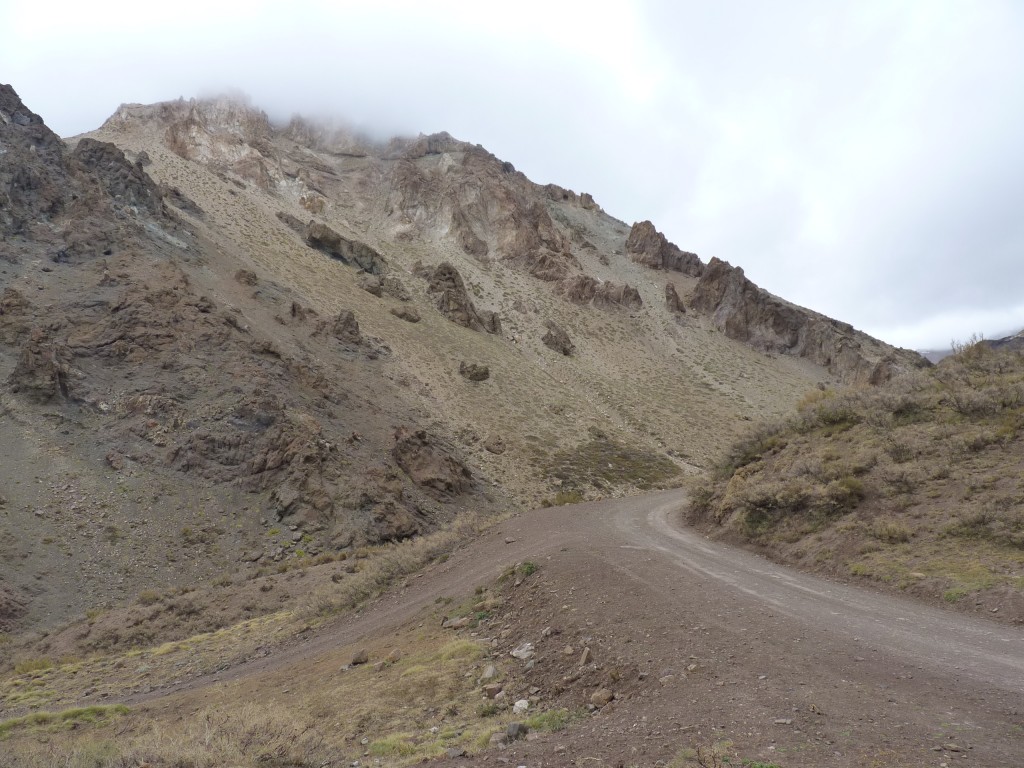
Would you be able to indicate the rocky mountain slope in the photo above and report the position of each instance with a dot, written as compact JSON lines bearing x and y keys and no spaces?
{"x":226,"y":341}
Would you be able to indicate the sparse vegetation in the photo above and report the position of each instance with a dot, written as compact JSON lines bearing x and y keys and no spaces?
{"x":854,"y":478}
{"x":602,"y":463}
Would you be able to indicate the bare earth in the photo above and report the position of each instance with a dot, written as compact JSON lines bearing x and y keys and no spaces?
{"x":710,"y":643}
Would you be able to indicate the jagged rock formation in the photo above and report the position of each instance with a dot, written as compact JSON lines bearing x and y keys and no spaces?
{"x":672,"y":301}
{"x":585,"y":290}
{"x":452,"y":301}
{"x":752,"y":315}
{"x":557,"y":339}
{"x":646,"y":245}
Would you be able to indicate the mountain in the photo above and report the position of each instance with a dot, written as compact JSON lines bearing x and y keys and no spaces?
{"x":228,"y":343}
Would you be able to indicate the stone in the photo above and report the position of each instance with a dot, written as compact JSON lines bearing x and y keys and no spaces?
{"x":492,"y":690}
{"x":747,"y":313}
{"x":361,"y":657}
{"x":494,"y":444}
{"x":602,"y":697}
{"x":246,"y":277}
{"x":586,"y":657}
{"x":497,"y":739}
{"x":454,"y":752}
{"x":372,"y":284}
{"x":520,"y":706}
{"x":490,"y":672}
{"x":672,"y":301}
{"x":474,"y":372}
{"x":523,"y":652}
{"x":557,"y":339}
{"x":409,"y":314}
{"x":516,"y":731}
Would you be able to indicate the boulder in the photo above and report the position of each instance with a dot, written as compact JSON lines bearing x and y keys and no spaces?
{"x":344,"y":327}
{"x":372,"y":284}
{"x":42,"y":372}
{"x":672,"y":301}
{"x":494,"y":444}
{"x":557,"y":339}
{"x":473,"y":371}
{"x":409,"y":314}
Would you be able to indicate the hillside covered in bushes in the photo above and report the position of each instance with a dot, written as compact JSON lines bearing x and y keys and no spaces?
{"x":918,"y":484}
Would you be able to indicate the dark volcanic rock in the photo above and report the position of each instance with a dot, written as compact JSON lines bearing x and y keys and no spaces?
{"x":428,"y":465}
{"x":646,"y":245}
{"x":557,"y":339}
{"x":351,"y":252}
{"x":33,"y":176}
{"x":121,"y":180}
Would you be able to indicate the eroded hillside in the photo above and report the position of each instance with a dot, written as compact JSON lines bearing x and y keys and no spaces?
{"x":230,"y":342}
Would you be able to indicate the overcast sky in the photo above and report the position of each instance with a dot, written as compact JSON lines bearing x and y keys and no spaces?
{"x":864,"y":159}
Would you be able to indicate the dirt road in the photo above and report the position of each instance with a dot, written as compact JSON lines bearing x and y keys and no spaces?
{"x":787,"y":667}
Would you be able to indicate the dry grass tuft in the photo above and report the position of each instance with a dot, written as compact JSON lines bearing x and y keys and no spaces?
{"x":917,"y":483}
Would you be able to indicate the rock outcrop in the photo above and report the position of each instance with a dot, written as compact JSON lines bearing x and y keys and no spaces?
{"x":429,"y":465}
{"x":351,"y":252}
{"x":584,"y":289}
{"x":557,"y":339}
{"x":672,"y":301}
{"x":452,"y":300}
{"x":646,"y":245}
{"x":43,"y":371}
{"x":747,"y":313}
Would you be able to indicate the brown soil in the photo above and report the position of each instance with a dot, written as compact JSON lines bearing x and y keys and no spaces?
{"x":701,"y":643}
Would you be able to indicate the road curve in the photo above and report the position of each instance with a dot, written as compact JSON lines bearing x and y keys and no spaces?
{"x":855,"y":676}
{"x":988,"y":652}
